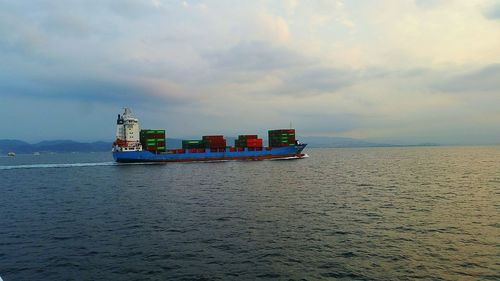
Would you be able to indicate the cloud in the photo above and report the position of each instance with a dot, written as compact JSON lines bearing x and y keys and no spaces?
{"x":318,"y":80}
{"x":426,"y":4}
{"x":209,"y":63}
{"x":256,"y":56}
{"x":19,"y":36}
{"x":492,"y":12}
{"x":272,"y":28}
{"x":133,"y":9}
{"x":331,"y":122}
{"x":86,"y":88}
{"x":67,"y":25}
{"x":485,"y":79}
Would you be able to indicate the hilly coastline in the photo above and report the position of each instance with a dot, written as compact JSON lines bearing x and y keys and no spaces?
{"x":64,"y":146}
{"x":58,"y":146}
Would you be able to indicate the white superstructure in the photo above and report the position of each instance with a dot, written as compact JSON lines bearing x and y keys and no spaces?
{"x":127,"y":132}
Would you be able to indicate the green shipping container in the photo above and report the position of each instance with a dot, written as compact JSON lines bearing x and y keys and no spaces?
{"x":188,"y":144}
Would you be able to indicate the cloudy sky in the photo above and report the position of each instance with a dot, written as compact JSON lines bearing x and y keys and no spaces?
{"x":387,"y":70}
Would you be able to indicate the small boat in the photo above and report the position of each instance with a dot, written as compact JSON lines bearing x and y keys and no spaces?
{"x":11,"y":154}
{"x":36,"y":153}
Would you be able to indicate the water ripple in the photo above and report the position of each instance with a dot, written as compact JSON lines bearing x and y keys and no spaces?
{"x":348,"y":214}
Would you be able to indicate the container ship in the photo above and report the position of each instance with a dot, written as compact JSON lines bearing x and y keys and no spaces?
{"x":134,"y":145}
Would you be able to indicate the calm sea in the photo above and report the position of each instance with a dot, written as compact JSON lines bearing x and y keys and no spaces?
{"x":347,"y":214}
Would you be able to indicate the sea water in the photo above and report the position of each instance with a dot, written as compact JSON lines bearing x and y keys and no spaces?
{"x":350,"y":214}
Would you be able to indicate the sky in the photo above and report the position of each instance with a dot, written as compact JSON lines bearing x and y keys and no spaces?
{"x":400,"y":71}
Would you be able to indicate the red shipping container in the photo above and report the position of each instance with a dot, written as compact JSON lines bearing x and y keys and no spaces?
{"x":215,"y":141}
{"x":192,"y":150}
{"x":254,"y":143}
{"x":232,"y":149}
{"x":180,"y":150}
{"x":216,"y":145}
{"x":240,"y":148}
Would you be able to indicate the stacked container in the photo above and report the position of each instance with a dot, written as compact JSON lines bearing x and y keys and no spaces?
{"x":215,"y":142}
{"x":242,"y":140}
{"x":253,"y":143}
{"x":153,"y":140}
{"x":194,"y":144}
{"x":281,"y":137}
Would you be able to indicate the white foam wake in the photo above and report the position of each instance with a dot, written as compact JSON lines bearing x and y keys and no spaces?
{"x":291,"y":157}
{"x":70,"y":165}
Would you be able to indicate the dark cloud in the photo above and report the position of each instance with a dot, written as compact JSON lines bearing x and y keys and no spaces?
{"x":318,"y":80}
{"x":117,"y":91}
{"x":493,"y":12}
{"x":255,"y":56}
{"x":486,"y":79}
{"x":299,"y":74}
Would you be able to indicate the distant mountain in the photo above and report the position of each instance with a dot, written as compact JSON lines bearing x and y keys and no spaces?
{"x":337,"y":142}
{"x":7,"y":146}
{"x":18,"y":146}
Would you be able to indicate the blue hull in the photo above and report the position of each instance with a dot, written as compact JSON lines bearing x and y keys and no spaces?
{"x":294,"y":151}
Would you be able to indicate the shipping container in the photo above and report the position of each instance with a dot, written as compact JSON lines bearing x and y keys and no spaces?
{"x":254,"y":143}
{"x":215,"y":141}
{"x":281,"y":137}
{"x":245,"y":140}
{"x":193,"y":144}
{"x":245,"y":137}
{"x":240,"y":143}
{"x":218,"y":137}
{"x":153,"y":140}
